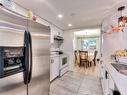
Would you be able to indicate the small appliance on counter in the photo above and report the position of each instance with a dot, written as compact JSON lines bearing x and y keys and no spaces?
{"x":115,"y":92}
{"x":123,"y":60}
{"x":121,"y":56}
{"x":60,"y":52}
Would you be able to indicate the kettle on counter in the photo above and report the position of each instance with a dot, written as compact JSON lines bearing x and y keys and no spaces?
{"x":115,"y":92}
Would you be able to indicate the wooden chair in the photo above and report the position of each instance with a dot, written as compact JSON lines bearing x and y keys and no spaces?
{"x":84,"y":58}
{"x":76,"y":56}
{"x":94,"y":59}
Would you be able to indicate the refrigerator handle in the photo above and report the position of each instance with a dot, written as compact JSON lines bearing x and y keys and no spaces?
{"x":26,"y":58}
{"x":30,"y":57}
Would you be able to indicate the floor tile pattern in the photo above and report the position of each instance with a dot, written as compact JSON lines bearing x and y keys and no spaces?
{"x":75,"y":83}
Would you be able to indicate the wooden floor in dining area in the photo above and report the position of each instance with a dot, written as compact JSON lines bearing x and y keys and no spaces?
{"x":91,"y":71}
{"x":81,"y":81}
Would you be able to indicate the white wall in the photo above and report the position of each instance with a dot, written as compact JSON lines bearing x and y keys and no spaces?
{"x":67,"y":47}
{"x":113,"y":42}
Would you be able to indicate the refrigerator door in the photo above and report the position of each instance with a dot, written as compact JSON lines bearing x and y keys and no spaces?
{"x":40,"y":82}
{"x":14,"y":84}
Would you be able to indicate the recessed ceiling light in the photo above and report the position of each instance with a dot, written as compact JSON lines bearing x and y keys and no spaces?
{"x":69,"y":25}
{"x":60,"y":16}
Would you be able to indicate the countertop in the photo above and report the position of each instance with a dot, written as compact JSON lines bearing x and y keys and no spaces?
{"x":120,"y":80}
{"x":58,"y":55}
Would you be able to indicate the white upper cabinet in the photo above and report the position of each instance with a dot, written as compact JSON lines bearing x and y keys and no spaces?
{"x":55,"y":31}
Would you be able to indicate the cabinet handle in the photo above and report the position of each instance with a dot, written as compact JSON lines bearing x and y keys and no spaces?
{"x":106,"y":74}
{"x":52,"y":61}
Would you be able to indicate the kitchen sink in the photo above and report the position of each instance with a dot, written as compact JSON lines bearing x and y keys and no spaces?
{"x":120,"y":68}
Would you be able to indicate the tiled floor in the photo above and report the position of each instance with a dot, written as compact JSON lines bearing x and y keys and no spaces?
{"x":77,"y":82}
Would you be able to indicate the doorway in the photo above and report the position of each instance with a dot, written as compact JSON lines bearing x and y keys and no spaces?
{"x":87,"y":51}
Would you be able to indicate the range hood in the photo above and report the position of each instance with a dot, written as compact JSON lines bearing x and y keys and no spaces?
{"x":59,"y":38}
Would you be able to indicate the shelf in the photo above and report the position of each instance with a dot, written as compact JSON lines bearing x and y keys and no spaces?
{"x":14,"y":57}
{"x":13,"y":71}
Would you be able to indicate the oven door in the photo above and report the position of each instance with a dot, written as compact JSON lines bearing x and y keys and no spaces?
{"x":64,"y":62}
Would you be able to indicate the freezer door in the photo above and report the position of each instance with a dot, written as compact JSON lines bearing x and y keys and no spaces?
{"x":40,"y":84}
{"x":13,"y":85}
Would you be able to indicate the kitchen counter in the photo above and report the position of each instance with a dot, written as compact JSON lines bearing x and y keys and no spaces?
{"x":119,"y":79}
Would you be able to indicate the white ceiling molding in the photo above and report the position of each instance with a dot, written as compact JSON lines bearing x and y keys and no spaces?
{"x":87,"y":33}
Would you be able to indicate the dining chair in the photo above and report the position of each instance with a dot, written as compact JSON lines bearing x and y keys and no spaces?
{"x":84,"y":58}
{"x":76,"y":56}
{"x":94,"y":59}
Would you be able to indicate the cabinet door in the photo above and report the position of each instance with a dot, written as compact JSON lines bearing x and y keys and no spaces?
{"x":106,"y":83}
{"x":102,"y":74}
{"x":104,"y":80}
{"x":54,"y":68}
{"x":111,"y":85}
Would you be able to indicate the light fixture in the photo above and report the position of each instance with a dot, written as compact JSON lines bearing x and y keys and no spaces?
{"x":60,"y":16}
{"x":69,"y":25}
{"x":121,"y":22}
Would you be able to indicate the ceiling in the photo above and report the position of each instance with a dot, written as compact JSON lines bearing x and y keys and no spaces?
{"x":80,"y":13}
{"x":88,"y":33}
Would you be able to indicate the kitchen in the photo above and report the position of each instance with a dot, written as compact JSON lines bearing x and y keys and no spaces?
{"x":38,"y":40}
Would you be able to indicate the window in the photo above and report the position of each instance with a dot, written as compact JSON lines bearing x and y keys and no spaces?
{"x":88,"y":44}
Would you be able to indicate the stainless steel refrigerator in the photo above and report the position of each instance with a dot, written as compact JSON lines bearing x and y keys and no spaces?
{"x":33,"y":79}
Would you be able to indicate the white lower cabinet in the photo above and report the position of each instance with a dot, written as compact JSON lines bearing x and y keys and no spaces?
{"x":111,"y":85}
{"x":54,"y":67}
{"x":106,"y":81}
{"x":102,"y":73}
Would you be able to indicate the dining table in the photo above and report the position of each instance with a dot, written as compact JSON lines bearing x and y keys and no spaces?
{"x":90,"y":58}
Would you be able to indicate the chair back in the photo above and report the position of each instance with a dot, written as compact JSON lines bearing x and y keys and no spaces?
{"x":83,"y":55}
{"x":76,"y":54}
{"x":95,"y":54}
